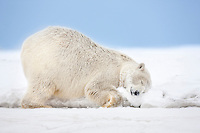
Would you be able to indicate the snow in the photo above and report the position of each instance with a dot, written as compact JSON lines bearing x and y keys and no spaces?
{"x":113,"y":120}
{"x":176,"y":84}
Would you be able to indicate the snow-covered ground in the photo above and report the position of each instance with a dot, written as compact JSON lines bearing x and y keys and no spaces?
{"x":101,"y":120}
{"x":176,"y":83}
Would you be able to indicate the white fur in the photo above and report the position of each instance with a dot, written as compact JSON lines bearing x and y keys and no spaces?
{"x":63,"y":63}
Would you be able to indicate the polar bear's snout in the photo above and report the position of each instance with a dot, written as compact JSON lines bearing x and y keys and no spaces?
{"x":135,"y":92}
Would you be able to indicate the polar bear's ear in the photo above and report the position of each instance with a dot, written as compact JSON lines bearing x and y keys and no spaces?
{"x":141,"y":66}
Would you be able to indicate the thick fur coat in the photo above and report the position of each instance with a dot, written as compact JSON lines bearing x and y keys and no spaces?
{"x":64,"y":63}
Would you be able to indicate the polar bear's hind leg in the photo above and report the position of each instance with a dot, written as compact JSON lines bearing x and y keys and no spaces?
{"x":37,"y":95}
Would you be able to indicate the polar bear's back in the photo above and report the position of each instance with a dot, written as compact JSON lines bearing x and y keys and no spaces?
{"x":56,"y":44}
{"x":57,"y":36}
{"x":63,"y":45}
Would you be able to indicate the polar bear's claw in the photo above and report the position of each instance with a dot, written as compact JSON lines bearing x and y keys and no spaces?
{"x":110,"y":102}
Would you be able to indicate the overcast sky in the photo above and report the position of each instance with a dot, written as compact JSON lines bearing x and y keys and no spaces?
{"x":112,"y":23}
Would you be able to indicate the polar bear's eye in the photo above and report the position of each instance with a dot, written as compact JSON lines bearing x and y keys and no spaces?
{"x":141,"y":82}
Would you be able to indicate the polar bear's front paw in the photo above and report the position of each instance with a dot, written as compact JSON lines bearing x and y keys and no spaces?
{"x":112,"y":101}
{"x":109,"y":102}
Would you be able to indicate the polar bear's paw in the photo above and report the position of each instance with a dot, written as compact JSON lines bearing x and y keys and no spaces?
{"x":32,"y":106}
{"x":112,"y":101}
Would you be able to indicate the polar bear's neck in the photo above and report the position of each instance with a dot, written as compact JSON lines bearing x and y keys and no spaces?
{"x":127,"y":69}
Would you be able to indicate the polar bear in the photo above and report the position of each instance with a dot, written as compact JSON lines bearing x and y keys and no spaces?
{"x":63,"y":63}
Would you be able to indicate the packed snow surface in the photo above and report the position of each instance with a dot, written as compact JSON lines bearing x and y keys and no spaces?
{"x":100,"y":120}
{"x":175,"y":76}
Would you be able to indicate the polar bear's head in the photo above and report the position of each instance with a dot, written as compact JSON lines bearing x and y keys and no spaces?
{"x":136,"y":79}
